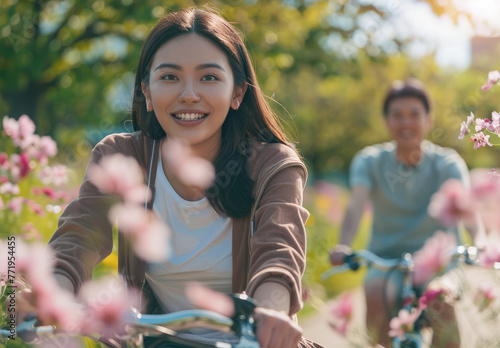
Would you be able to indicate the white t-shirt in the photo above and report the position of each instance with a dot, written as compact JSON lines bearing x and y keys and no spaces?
{"x":201,"y":248}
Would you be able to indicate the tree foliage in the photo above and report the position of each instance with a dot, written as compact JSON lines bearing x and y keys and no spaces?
{"x":70,"y":64}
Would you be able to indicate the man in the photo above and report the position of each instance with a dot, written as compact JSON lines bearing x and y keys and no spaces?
{"x":399,"y":178}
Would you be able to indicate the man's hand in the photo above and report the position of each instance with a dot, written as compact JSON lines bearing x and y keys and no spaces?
{"x":338,"y":254}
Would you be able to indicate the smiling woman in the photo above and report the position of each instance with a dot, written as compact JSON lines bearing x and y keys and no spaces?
{"x":246,"y":232}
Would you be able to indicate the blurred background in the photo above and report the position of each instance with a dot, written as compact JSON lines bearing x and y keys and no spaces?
{"x":325,"y":65}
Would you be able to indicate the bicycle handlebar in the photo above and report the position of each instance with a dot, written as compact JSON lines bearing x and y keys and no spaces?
{"x":241,"y":324}
{"x":367,"y":258}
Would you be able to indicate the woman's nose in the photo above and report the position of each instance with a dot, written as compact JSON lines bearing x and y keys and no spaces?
{"x":189,"y":93}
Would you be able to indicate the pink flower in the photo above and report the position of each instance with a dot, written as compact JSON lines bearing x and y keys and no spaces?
{"x":49,"y":192}
{"x":493,"y":77}
{"x":205,"y":298}
{"x":4,"y":160}
{"x":31,"y":233}
{"x":479,"y":140}
{"x":470,"y":119}
{"x":16,"y":204}
{"x":42,"y":149}
{"x":464,"y":129}
{"x":11,"y":127}
{"x":150,"y":236}
{"x":403,"y":323}
{"x":24,"y":165}
{"x":481,"y":124}
{"x":121,"y":176}
{"x":484,"y":297}
{"x":452,"y":204}
{"x":192,"y":170}
{"x":52,"y":304}
{"x":486,"y":196}
{"x":490,"y":253}
{"x":56,"y":175}
{"x":107,"y":304}
{"x":433,"y":258}
{"x":429,"y":296}
{"x":342,"y":311}
{"x":10,"y":189}
{"x":35,"y":207}
{"x":26,"y":132}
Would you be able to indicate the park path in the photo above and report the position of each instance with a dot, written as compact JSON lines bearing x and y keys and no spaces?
{"x":475,"y":330}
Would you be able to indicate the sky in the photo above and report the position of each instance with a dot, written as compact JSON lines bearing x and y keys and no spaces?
{"x":450,"y":41}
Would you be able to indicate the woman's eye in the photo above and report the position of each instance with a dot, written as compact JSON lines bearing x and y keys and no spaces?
{"x":169,"y":77}
{"x":209,"y":78}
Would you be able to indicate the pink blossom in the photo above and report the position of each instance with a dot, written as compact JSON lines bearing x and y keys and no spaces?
{"x":56,"y":175}
{"x":452,"y":204}
{"x":464,"y":129}
{"x":9,"y":188}
{"x":493,"y":77}
{"x":42,"y":148}
{"x":342,"y":311}
{"x":24,"y":165}
{"x":26,"y":132}
{"x":486,"y":194}
{"x":108,"y":303}
{"x":481,"y":124}
{"x":35,"y":207}
{"x":403,"y":323}
{"x":11,"y":127}
{"x":121,"y":176}
{"x":429,"y":296}
{"x":495,"y":123}
{"x":205,"y":298}
{"x":479,"y":140}
{"x":150,"y":236}
{"x":52,"y":304}
{"x":31,"y":233}
{"x":491,"y":251}
{"x":192,"y":170}
{"x":484,"y":297}
{"x":49,"y":192}
{"x":433,"y":258}
{"x":16,"y":204}
{"x":4,"y":160}
{"x":470,"y":119}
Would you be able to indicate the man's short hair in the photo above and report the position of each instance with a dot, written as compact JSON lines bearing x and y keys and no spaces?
{"x":408,"y":88}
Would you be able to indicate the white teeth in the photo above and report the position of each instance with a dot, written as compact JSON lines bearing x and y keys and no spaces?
{"x":189,"y":116}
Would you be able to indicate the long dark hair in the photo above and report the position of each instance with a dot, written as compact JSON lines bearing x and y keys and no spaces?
{"x":231,"y":192}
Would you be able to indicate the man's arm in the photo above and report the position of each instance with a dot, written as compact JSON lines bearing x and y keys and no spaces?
{"x":352,"y":217}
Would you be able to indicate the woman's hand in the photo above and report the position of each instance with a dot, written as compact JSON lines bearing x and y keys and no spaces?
{"x":276,"y":329}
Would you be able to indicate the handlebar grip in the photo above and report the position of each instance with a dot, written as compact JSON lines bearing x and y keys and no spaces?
{"x":350,"y":260}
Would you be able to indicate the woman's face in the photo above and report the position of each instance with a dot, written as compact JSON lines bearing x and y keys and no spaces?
{"x":191,"y":89}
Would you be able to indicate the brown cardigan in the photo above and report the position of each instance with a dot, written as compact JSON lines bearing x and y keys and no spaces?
{"x":276,"y":251}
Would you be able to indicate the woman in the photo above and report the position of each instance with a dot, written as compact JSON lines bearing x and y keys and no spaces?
{"x":195,"y":81}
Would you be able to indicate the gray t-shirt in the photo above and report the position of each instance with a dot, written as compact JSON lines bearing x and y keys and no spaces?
{"x":400,"y":194}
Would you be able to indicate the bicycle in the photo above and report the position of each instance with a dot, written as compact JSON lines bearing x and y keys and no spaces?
{"x":404,"y":264}
{"x":167,"y":327}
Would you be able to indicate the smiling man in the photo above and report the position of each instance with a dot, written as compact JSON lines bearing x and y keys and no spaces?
{"x":399,"y":178}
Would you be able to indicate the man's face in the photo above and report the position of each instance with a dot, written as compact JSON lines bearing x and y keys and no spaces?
{"x":408,"y":121}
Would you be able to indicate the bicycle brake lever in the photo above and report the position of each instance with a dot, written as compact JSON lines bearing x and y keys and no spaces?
{"x":350,"y":261}
{"x":243,"y":323}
